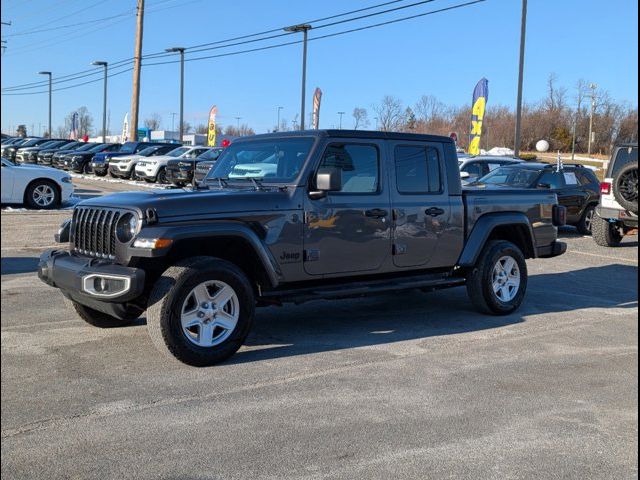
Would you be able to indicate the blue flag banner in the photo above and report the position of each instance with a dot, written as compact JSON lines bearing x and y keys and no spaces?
{"x":480,"y":99}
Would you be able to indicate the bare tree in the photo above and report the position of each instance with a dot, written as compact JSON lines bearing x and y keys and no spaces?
{"x":202,"y":128}
{"x":186,"y":127}
{"x":153,"y":121}
{"x":85,"y":122}
{"x":390,"y":114}
{"x":21,"y":131}
{"x":429,"y":107}
{"x":360,"y":118}
{"x":243,"y":131}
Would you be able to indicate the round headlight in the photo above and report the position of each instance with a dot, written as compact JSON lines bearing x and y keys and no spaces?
{"x":127,"y":227}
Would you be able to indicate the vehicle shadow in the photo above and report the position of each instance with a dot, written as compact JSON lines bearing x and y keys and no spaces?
{"x":572,"y":232}
{"x":16,"y":265}
{"x":323,"y":326}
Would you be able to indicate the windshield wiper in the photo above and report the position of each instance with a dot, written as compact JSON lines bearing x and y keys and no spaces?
{"x":256,"y":183}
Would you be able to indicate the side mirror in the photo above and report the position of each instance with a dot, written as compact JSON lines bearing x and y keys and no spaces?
{"x":328,"y":179}
{"x":465,"y":175}
{"x":544,"y":186}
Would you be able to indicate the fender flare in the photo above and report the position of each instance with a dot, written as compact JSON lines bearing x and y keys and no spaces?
{"x":212,"y":230}
{"x":482,"y":230}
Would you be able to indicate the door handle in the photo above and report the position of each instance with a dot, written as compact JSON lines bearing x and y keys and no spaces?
{"x":376,"y":213}
{"x":434,"y":211}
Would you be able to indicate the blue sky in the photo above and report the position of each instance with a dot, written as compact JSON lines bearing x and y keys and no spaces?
{"x":442,"y":55}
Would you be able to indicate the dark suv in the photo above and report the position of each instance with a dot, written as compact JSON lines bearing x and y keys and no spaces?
{"x":297,"y":216}
{"x":577,"y":187}
{"x":80,"y":162}
{"x":45,"y":156}
{"x":180,"y":171}
{"x":30,"y":154}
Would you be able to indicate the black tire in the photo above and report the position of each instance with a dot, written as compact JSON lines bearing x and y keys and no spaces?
{"x":112,"y":175}
{"x":625,"y":187}
{"x":162,"y":176}
{"x":585,"y":225}
{"x":100,"y":174}
{"x":604,"y":233}
{"x":480,"y":279}
{"x":33,"y":195}
{"x":99,"y":319}
{"x":174,"y":288}
{"x":86,"y":169}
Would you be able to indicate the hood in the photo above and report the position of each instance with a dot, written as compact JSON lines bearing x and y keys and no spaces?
{"x":170,"y":204}
{"x":42,"y":170}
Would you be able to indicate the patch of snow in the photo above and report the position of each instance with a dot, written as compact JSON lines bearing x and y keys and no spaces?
{"x":499,"y":152}
{"x":120,"y":180}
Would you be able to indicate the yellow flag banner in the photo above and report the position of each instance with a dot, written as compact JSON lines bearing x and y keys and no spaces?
{"x":211,"y":131}
{"x":480,"y":98}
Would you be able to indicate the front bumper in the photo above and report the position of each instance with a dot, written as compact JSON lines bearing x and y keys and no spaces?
{"x":616,"y":215}
{"x":179,"y":175}
{"x":120,"y":170}
{"x":553,"y":250}
{"x":149,"y":173}
{"x":100,"y":168}
{"x":60,"y":269}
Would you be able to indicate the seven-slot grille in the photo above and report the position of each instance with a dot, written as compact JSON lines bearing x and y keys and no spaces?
{"x":94,"y":231}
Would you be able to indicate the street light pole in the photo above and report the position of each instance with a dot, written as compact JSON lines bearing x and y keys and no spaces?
{"x":104,"y":98}
{"x":278,"y":124}
{"x":49,"y":75}
{"x":173,"y":121}
{"x":238,"y":124}
{"x":180,"y":50}
{"x":523,"y":34}
{"x":341,"y":114}
{"x":304,"y":28}
{"x":593,"y":87}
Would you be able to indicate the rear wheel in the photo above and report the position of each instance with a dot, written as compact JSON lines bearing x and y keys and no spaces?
{"x":605,"y":233}
{"x":585,"y":225}
{"x":201,"y":310}
{"x":498,"y":282}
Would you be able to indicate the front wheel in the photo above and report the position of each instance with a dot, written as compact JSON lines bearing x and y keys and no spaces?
{"x":162,"y":176}
{"x":200,"y":311}
{"x":498,"y":282}
{"x":100,"y":173}
{"x":42,"y":194}
{"x":86,"y":169}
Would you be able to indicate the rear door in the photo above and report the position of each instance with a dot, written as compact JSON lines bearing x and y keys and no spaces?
{"x":421,"y":205}
{"x":349,"y":231}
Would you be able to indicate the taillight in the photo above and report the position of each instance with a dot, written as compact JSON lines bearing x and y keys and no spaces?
{"x":559,"y":215}
{"x":605,"y":188}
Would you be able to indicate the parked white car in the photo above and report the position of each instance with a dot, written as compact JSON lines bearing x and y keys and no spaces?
{"x":154,"y":169}
{"x":124,"y":166}
{"x":34,"y":186}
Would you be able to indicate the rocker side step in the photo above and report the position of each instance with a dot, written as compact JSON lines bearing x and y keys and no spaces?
{"x":359,"y":289}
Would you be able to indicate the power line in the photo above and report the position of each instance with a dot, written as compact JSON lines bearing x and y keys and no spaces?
{"x":164,"y":54}
{"x":79,"y":75}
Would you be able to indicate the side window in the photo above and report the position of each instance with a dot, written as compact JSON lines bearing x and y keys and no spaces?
{"x":473,"y":169}
{"x":418,"y":170}
{"x":360,"y":165}
{"x":554,"y":179}
{"x":586,"y":178}
{"x":570,"y":178}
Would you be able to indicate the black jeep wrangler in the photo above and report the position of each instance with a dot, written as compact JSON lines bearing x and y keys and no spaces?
{"x":290,"y":217}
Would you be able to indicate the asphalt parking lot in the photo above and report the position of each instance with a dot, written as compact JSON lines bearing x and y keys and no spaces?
{"x":408,"y":385}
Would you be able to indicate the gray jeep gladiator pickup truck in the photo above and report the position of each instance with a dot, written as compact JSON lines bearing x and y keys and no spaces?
{"x":290,"y":217}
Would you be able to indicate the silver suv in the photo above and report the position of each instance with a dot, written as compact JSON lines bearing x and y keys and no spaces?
{"x":617,"y":214}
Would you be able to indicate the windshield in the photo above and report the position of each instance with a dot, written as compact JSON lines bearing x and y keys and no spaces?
{"x":99,"y":147}
{"x":511,"y":176}
{"x":146,"y":152}
{"x":276,"y":160}
{"x":128,"y":147}
{"x":32,"y":142}
{"x":85,"y":147}
{"x":68,"y":146}
{"x":212,"y":154}
{"x":176,"y":152}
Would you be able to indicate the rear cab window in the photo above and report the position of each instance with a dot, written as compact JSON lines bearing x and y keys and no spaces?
{"x":417,"y":169}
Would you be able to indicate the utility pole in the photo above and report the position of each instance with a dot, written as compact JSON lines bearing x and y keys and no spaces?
{"x":137,"y":59}
{"x":238,"y":123}
{"x":523,"y":34}
{"x":341,"y":114}
{"x":104,"y":99}
{"x":49,"y":75}
{"x":304,"y":28}
{"x":180,"y":50}
{"x":593,"y":88}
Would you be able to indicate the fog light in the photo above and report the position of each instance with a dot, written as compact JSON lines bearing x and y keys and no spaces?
{"x":105,"y":285}
{"x":152,"y":243}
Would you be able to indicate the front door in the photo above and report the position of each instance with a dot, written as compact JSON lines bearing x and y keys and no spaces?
{"x":349,"y":231}
{"x":8,"y":178}
{"x":421,"y":205}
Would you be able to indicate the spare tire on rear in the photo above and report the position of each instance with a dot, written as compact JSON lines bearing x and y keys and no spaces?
{"x":625,"y":187}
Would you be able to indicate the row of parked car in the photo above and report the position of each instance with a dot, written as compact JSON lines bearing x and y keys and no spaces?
{"x":165,"y":163}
